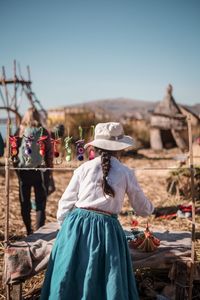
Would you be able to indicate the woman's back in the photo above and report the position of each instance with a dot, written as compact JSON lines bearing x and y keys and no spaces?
{"x":85,"y":189}
{"x":90,"y":191}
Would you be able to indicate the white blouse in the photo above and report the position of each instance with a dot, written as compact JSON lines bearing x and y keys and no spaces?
{"x":85,"y":190}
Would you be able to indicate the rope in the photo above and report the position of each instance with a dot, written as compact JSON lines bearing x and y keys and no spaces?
{"x":73,"y":168}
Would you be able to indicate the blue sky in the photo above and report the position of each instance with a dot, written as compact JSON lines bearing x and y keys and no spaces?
{"x":82,"y":50}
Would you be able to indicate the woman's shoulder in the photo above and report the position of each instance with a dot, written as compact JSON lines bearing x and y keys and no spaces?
{"x":88,"y":167}
{"x":89,"y":164}
{"x":117,"y":163}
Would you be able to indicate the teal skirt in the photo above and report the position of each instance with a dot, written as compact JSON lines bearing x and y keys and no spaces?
{"x":90,"y":260}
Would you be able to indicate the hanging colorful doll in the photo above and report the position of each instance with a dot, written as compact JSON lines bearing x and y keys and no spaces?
{"x":198,"y":141}
{"x":28,"y":151}
{"x":145,"y":241}
{"x":68,"y":141}
{"x":42,"y":145}
{"x":55,"y":142}
{"x":80,"y":146}
{"x":91,"y":151}
{"x":14,"y":147}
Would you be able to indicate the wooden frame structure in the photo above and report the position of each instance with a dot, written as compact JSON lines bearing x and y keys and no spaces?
{"x":11,"y":88}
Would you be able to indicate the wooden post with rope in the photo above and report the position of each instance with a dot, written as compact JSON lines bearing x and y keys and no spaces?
{"x":7,"y":199}
{"x":191,"y":166}
{"x":15,"y":91}
{"x":16,"y":291}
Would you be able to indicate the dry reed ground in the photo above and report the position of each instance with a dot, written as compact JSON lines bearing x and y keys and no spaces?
{"x":153,"y":182}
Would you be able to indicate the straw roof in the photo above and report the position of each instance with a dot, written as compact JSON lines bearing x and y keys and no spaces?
{"x":168,"y":105}
{"x":167,"y":114}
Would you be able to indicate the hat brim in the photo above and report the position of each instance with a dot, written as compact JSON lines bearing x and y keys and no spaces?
{"x":112,"y":145}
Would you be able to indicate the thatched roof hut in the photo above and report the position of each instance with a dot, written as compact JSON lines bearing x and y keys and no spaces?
{"x":195,"y":120}
{"x":168,"y":126}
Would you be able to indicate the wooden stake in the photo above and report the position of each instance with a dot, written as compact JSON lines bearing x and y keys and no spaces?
{"x":5,"y":89}
{"x":7,"y":183}
{"x":29,"y":73}
{"x":1,"y":94}
{"x":193,"y":207}
{"x":15,"y":91}
{"x":7,"y":173}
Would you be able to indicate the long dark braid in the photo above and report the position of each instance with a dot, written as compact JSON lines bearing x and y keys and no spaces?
{"x":106,"y":164}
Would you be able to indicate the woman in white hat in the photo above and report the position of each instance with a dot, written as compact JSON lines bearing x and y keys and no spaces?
{"x":90,"y":258}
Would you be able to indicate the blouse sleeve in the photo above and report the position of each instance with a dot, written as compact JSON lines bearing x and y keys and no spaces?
{"x":69,"y":198}
{"x":142,"y":206}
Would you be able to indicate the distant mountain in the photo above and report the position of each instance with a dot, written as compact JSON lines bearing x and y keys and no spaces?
{"x":119,"y":107}
{"x":124,"y":106}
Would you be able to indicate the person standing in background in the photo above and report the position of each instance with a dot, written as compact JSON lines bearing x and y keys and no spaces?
{"x":2,"y":145}
{"x":32,"y":128}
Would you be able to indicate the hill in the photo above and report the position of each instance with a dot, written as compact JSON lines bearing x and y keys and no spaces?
{"x":119,"y":107}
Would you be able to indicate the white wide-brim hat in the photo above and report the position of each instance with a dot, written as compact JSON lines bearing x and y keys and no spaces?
{"x":110,"y":136}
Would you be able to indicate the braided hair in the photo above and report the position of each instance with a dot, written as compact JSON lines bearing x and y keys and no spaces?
{"x":106,"y":164}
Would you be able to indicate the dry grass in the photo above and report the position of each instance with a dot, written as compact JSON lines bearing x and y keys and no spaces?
{"x":153,"y":182}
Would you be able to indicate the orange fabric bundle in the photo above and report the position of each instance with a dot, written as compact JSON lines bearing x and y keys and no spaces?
{"x":145,"y":241}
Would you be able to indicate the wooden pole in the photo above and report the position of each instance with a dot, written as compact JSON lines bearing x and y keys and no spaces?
{"x":7,"y":171}
{"x":29,"y":73}
{"x":15,"y":92}
{"x":1,"y":94}
{"x":5,"y":89}
{"x":191,"y":166}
